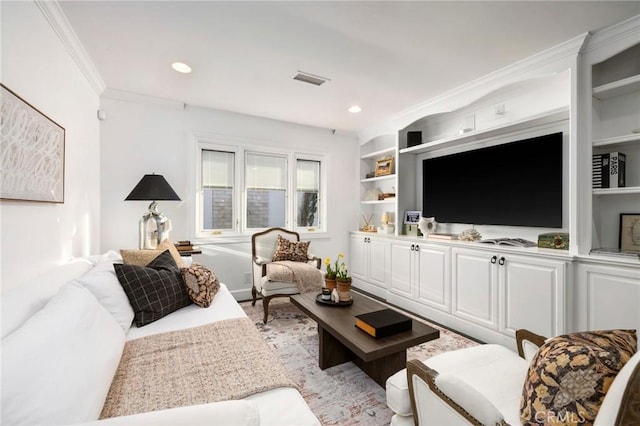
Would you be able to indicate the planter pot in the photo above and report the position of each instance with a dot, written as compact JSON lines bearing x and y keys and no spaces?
{"x":330,"y":283}
{"x":344,"y":290}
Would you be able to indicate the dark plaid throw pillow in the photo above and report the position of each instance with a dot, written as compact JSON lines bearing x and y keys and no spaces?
{"x":154,"y":290}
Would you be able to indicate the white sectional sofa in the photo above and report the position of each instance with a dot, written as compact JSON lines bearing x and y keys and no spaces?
{"x":63,"y":335}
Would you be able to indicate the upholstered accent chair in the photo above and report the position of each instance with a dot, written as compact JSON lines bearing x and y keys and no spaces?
{"x":266,"y":248}
{"x":492,"y":385}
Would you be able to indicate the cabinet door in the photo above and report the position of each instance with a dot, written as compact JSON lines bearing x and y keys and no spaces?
{"x":434,"y":280}
{"x":358,"y":266}
{"x":607,"y":297}
{"x":401,"y":268}
{"x":532,"y":295}
{"x":474,"y":287}
{"x":377,"y":261}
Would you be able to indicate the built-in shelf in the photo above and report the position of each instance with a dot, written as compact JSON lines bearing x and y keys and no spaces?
{"x":385,"y":201}
{"x":617,"y":191}
{"x":618,"y":140}
{"x":548,"y":117}
{"x":617,"y":88}
{"x":378,"y":178}
{"x":379,"y":153}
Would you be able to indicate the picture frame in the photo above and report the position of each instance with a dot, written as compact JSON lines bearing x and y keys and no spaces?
{"x":31,"y":153}
{"x":629,"y":237}
{"x":384,"y":167}
{"x":412,"y":217}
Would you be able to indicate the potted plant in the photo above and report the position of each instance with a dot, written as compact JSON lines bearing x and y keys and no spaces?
{"x":331,"y":272}
{"x":343,"y":281}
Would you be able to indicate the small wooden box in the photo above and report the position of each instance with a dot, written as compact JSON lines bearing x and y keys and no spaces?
{"x":554,"y":240}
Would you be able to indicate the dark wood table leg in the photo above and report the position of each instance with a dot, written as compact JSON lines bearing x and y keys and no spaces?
{"x":381,"y":369}
{"x":332,"y":352}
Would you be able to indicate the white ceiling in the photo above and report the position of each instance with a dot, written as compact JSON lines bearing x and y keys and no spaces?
{"x":384,"y":56}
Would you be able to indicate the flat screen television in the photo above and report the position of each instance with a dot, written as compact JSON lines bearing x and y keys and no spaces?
{"x":516,"y":184}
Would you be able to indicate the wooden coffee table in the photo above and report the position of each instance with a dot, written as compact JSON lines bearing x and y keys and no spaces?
{"x":341,"y":341}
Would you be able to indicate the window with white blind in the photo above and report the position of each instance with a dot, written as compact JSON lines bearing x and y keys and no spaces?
{"x":265,"y":190}
{"x":307,"y":193}
{"x":218,"y":189}
{"x":242,"y":190}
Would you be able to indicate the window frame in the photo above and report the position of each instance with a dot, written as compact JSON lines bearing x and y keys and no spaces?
{"x":240,"y":148}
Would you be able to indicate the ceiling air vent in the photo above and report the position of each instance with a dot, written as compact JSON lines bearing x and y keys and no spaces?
{"x":316,"y":80}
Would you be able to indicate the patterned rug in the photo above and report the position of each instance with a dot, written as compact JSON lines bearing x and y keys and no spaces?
{"x":340,"y":395}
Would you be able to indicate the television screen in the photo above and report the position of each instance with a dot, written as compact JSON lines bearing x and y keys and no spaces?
{"x":517,"y":183}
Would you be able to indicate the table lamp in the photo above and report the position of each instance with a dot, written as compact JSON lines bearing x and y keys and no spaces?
{"x":154,"y":226}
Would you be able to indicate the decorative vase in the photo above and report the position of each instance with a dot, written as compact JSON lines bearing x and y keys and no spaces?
{"x":330,"y":283}
{"x":344,"y":290}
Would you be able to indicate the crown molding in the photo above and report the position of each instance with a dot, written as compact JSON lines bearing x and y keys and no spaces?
{"x":139,"y":98}
{"x":620,"y":31}
{"x":547,"y":62}
{"x":61,"y":26}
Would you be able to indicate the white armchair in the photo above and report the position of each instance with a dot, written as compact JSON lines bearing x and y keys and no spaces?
{"x":483,"y":385}
{"x":263,"y":247}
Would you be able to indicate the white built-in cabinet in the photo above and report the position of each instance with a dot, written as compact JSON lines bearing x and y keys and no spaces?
{"x":420,"y":271}
{"x":505,"y":291}
{"x":607,"y":296}
{"x":588,"y":88}
{"x":369,"y":263}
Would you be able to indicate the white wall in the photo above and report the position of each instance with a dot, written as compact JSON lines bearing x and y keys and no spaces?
{"x":37,"y":66}
{"x":142,"y":136}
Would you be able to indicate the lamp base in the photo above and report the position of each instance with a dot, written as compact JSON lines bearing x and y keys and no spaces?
{"x":153,"y":228}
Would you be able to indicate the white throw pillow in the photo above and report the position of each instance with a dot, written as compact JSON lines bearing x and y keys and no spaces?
{"x":20,"y":303}
{"x":57,"y":368}
{"x":103,"y":283}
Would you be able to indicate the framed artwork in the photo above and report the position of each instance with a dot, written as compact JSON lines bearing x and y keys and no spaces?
{"x":630,"y":231}
{"x":384,"y":167}
{"x":412,"y":217}
{"x":31,"y":152}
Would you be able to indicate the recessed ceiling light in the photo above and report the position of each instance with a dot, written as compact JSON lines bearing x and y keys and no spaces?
{"x":181,"y":67}
{"x":355,"y":109}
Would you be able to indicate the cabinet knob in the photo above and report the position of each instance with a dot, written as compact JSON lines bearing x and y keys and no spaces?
{"x":493,"y":259}
{"x":417,"y":247}
{"x":413,"y":247}
{"x":501,"y":261}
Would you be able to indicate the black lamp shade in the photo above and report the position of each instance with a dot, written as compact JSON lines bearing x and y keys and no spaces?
{"x":153,"y":188}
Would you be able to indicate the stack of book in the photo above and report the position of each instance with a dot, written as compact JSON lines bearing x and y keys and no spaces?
{"x":186,"y":246}
{"x":383,"y":323}
{"x":608,"y":170}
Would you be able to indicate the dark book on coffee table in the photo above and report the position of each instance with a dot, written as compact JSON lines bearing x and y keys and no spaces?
{"x":383,"y":323}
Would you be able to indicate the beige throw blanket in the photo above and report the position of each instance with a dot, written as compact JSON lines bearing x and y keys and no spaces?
{"x":308,"y":277}
{"x":215,"y":362}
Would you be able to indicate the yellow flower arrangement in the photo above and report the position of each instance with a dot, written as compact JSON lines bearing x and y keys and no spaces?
{"x":338,"y":270}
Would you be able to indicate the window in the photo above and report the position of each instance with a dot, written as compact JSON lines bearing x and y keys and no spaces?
{"x":242,"y":189}
{"x":266,"y":190}
{"x":217,"y":189}
{"x":307,"y":193}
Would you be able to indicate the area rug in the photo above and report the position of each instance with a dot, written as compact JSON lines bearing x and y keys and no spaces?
{"x":340,"y":395}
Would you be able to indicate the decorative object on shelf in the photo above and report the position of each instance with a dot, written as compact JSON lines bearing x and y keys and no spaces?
{"x":384,"y":166}
{"x":427,"y":225}
{"x":370,"y":175}
{"x":368,"y":227}
{"x":470,"y":235}
{"x":387,"y":222}
{"x":372,"y":194}
{"x":410,"y":223}
{"x":554,"y":240}
{"x":31,"y":152}
{"x":154,"y":226}
{"x":630,"y":232}
{"x":385,"y":195}
{"x":414,"y":138}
